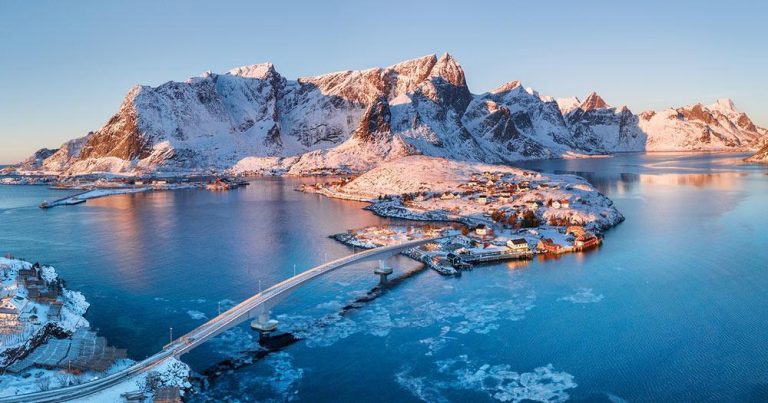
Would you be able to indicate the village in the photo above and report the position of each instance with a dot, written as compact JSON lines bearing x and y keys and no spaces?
{"x":505,"y":214}
{"x":41,"y":324}
{"x":46,"y":343}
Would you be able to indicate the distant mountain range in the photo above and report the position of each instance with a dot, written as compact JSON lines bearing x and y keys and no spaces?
{"x":252,"y":119}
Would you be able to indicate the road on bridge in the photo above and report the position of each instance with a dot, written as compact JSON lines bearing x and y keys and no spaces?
{"x":208,"y":330}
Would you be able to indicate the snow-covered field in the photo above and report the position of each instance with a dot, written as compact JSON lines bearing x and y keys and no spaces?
{"x":376,"y":236}
{"x":437,"y":188}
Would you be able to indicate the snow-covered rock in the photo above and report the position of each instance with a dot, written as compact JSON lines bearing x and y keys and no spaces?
{"x":760,"y":156}
{"x":700,"y":127}
{"x":426,"y":180}
{"x":252,"y":119}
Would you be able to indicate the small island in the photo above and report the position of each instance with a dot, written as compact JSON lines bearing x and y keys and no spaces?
{"x":507,"y":213}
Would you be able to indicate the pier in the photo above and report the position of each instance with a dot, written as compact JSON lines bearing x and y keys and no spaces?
{"x":65,"y":201}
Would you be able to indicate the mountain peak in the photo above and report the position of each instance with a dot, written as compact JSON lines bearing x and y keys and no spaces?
{"x":259,"y":71}
{"x":593,"y":101}
{"x":429,"y":59}
{"x":566,"y":105}
{"x":506,"y":87}
{"x":724,"y":105}
{"x":450,"y":70}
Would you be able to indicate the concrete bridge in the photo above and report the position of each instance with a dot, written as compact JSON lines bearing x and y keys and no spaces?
{"x":226,"y":320}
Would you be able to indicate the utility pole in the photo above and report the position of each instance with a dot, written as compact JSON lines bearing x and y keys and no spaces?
{"x":294,"y":270}
{"x":170,"y":335}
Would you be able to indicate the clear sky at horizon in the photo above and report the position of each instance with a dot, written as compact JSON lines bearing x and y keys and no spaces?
{"x":66,"y":66}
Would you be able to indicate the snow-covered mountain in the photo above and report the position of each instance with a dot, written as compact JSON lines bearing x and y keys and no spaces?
{"x":700,"y":127}
{"x":599,"y":127}
{"x":252,"y":119}
{"x":760,"y":156}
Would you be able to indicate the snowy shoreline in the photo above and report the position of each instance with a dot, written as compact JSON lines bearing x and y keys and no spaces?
{"x":46,"y":343}
{"x":509,"y":213}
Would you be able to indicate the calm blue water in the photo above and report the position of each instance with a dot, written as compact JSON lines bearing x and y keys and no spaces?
{"x":673,"y":307}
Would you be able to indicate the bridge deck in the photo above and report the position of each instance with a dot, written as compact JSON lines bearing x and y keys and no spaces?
{"x":210,"y":329}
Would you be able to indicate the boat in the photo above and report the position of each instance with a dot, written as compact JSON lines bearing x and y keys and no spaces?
{"x":218,"y":185}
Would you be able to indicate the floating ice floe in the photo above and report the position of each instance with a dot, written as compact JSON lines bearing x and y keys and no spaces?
{"x":471,"y":313}
{"x":583,"y":296}
{"x":279,"y":385}
{"x":285,"y":378}
{"x":234,"y":342}
{"x":500,"y":382}
{"x":196,"y":315}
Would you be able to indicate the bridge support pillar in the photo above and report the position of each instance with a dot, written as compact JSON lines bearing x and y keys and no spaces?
{"x":383,"y":271}
{"x":263,"y":324}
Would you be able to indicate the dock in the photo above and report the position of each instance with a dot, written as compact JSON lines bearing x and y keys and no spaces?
{"x":65,"y":201}
{"x":495,"y":256}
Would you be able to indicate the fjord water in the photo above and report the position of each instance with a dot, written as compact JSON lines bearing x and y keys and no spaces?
{"x":674,"y":305}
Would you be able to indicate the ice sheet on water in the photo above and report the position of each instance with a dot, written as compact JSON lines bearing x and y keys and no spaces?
{"x":226,"y":304}
{"x":285,"y":377}
{"x":437,"y":343}
{"x":319,"y":333}
{"x":582,"y":296}
{"x":500,"y":382}
{"x":196,"y":315}
{"x":478,"y":313}
{"x":280,"y":383}
{"x":234,"y":342}
{"x":614,"y":399}
{"x":333,"y":305}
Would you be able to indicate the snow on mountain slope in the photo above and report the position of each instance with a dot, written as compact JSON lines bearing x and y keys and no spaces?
{"x":698,"y":127}
{"x":599,"y":127}
{"x":251,"y":119}
{"x":760,"y":156}
{"x":518,"y":124}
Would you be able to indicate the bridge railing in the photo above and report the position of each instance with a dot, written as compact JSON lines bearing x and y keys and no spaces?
{"x":199,"y":335}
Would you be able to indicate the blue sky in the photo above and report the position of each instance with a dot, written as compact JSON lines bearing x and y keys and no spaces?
{"x":66,"y":66}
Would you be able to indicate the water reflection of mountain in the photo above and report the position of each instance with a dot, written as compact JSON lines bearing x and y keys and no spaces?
{"x":722,"y":180}
{"x":607,"y":182}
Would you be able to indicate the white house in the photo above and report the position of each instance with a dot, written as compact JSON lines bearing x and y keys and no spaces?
{"x":518,"y":245}
{"x":481,"y":230}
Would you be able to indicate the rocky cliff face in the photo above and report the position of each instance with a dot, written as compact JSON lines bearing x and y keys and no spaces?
{"x":760,"y":156}
{"x":251,"y":118}
{"x":599,"y":127}
{"x":715,"y":127}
